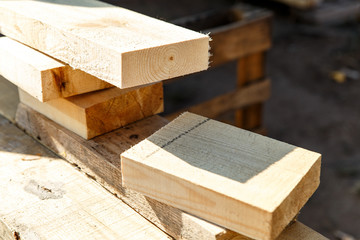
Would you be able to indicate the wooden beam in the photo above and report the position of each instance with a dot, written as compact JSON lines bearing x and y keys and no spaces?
{"x":96,"y":113}
{"x":114,"y":44}
{"x":43,"y":197}
{"x":41,"y":76}
{"x":237,"y":179}
{"x":249,"y":70}
{"x":239,"y":98}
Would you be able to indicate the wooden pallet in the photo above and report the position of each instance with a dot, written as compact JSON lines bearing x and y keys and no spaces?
{"x":241,"y":34}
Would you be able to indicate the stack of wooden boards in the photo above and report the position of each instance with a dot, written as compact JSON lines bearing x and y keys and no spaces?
{"x":193,"y":163}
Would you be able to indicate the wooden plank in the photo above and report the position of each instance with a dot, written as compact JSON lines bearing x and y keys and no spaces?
{"x":41,"y":76}
{"x":299,"y":231}
{"x":237,"y":179}
{"x":254,"y":93}
{"x":236,"y":32}
{"x":96,"y":113}
{"x":9,"y":99}
{"x":114,"y":44}
{"x":43,"y":197}
{"x":250,"y":69}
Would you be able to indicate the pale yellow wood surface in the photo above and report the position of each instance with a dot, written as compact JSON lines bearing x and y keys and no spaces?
{"x":41,"y":76}
{"x":43,"y":197}
{"x":117,"y":45}
{"x":95,"y":113}
{"x":240,"y":180}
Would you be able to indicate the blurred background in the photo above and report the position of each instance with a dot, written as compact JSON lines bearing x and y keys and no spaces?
{"x":314,"y":67}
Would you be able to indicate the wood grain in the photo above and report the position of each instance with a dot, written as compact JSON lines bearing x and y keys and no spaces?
{"x":43,"y":197}
{"x":114,"y":44}
{"x":237,"y":179}
{"x":41,"y":76}
{"x":96,"y":113}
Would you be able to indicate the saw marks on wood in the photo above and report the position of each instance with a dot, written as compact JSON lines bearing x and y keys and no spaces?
{"x":41,"y":76}
{"x":117,"y":45}
{"x":95,"y":113}
{"x":240,"y":180}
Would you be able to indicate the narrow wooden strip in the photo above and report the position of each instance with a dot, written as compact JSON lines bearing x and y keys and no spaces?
{"x":114,"y":44}
{"x":100,"y":159}
{"x":43,"y":197}
{"x":254,"y":93}
{"x":249,"y":69}
{"x":41,"y":76}
{"x":96,"y":113}
{"x":240,"y":180}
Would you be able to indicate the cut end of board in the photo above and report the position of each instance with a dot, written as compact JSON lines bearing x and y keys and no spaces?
{"x":243,"y":181}
{"x":167,"y":62}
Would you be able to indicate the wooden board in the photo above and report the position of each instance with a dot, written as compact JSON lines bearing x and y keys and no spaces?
{"x":96,"y":113}
{"x":249,"y":70}
{"x":41,"y":76}
{"x":256,"y":93}
{"x":240,"y":180}
{"x":119,"y":46}
{"x":43,"y":197}
{"x":99,"y":158}
{"x":299,"y":231}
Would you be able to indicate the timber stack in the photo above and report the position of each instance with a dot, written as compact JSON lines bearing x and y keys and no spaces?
{"x":89,"y":77}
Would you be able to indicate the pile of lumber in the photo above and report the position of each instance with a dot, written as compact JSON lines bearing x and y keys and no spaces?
{"x":195,"y":178}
